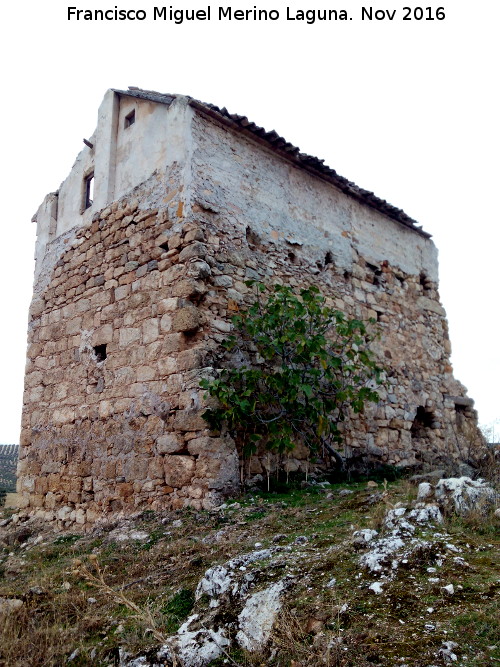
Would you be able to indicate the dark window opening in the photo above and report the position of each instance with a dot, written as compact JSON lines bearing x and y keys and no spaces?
{"x":460,"y":415}
{"x":425,"y":282}
{"x":253,"y":239}
{"x":292,"y":257}
{"x":100,"y":352}
{"x":347,"y":275}
{"x":89,"y":191}
{"x":164,"y":246}
{"x":129,"y":119}
{"x":376,"y":273}
{"x":424,"y":420}
{"x":328,"y":258}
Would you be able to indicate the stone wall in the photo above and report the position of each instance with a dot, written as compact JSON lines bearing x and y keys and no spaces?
{"x":274,"y":222}
{"x":131,"y":307}
{"x":111,"y":417}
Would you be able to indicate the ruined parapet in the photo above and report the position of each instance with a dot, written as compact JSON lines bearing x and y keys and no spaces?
{"x":134,"y":294}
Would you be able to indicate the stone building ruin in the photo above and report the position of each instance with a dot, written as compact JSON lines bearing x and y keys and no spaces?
{"x":141,"y":259}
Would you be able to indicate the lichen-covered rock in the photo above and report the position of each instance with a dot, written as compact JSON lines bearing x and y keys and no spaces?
{"x":230,"y":577}
{"x":380,"y":554}
{"x":234,"y":615}
{"x":216,"y":582}
{"x":362,"y":537}
{"x":463,"y":495}
{"x":397,"y":542}
{"x":257,"y":617}
{"x":125,"y":533}
{"x":446,"y":651}
{"x":425,"y":491}
{"x":425,"y":515}
{"x":195,"y":647}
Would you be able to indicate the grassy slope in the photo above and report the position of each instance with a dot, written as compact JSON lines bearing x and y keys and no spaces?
{"x":344,"y":625}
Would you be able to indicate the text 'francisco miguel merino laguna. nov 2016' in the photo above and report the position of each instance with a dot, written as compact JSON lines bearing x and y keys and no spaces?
{"x":227,"y":14}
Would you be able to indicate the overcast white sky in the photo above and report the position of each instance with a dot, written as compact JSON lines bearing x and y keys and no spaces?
{"x":408,"y":109}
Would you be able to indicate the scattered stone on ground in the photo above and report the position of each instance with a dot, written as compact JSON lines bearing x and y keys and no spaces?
{"x":9,"y":605}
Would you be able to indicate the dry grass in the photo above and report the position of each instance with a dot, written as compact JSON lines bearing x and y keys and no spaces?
{"x":308,"y":642}
{"x":92,"y":573}
{"x":89,"y":596}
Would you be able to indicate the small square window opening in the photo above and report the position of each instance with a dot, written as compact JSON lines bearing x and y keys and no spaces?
{"x":100,"y":352}
{"x":130,"y":119}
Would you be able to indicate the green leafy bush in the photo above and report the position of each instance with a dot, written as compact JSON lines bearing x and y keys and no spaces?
{"x":305,"y":367}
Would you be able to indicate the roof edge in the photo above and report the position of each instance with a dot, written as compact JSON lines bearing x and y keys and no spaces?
{"x":286,"y":150}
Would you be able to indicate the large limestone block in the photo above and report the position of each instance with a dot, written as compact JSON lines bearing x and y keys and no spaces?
{"x":189,"y":420}
{"x":150,"y":330}
{"x":129,"y":336}
{"x":193,"y":250}
{"x":63,"y":415}
{"x":179,"y":470}
{"x":217,"y":463}
{"x":428,"y":304}
{"x":207,"y":445}
{"x":188,"y":288}
{"x":464,"y":495}
{"x":15,"y":501}
{"x":186,"y":319}
{"x":169,"y":443}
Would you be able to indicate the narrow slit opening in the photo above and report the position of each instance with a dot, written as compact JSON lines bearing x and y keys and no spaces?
{"x":129,"y":119}
{"x":88,"y":193}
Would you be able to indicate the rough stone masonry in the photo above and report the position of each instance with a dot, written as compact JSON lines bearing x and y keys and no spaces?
{"x":141,"y":259}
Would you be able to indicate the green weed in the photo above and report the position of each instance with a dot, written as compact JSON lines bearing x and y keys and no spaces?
{"x":178,"y":609}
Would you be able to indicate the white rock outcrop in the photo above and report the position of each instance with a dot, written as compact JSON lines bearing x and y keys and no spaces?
{"x":257,"y":617}
{"x":463,"y":495}
{"x":195,"y":647}
{"x":397,"y":543}
{"x":248,"y":617}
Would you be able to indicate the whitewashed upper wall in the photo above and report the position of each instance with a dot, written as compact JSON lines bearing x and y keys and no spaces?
{"x":278,"y":200}
{"x":253,"y":185}
{"x":121,"y":159}
{"x":142,"y":147}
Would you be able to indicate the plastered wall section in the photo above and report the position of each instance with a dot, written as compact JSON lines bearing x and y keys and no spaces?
{"x":122,"y":157}
{"x":282,"y":202}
